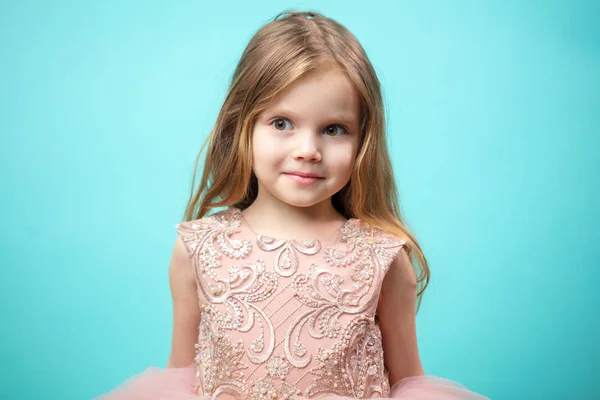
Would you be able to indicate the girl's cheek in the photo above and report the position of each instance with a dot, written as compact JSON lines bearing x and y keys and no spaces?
{"x":344,"y":154}
{"x":260,"y":140}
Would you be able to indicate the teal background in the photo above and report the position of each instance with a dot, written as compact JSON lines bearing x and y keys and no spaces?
{"x":494,"y":121}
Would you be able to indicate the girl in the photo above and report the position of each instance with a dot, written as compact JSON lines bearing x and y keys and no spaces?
{"x":302,"y":284}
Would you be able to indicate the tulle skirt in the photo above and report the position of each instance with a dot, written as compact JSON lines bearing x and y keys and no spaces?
{"x":178,"y":384}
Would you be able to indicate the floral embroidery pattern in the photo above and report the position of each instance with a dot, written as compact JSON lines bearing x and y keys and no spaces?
{"x":286,"y":261}
{"x":353,"y":367}
{"x":218,"y":359}
{"x":278,"y":367}
{"x":321,"y":321}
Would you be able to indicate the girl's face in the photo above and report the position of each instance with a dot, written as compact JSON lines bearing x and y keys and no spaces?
{"x":305,"y":143}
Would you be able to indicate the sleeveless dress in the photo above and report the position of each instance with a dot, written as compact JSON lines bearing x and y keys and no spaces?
{"x":286,"y":319}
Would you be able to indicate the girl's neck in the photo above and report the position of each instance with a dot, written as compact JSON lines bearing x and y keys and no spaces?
{"x":272,"y":217}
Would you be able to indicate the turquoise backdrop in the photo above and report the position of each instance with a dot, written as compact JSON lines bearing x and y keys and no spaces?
{"x":494,"y":122}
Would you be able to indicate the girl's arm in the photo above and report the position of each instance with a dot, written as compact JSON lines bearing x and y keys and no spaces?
{"x":186,"y":310}
{"x":397,"y":320}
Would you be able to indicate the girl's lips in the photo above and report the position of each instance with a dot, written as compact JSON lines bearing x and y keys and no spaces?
{"x":303,"y":178}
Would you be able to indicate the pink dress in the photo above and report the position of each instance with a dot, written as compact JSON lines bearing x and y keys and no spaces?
{"x":286,"y":319}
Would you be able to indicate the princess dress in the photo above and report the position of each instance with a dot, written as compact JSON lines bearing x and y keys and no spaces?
{"x":286,"y":319}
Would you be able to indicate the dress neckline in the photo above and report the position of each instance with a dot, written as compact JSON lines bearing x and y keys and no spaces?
{"x":333,"y":235}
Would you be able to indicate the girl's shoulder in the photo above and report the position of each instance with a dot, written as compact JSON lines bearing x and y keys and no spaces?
{"x":194,"y":232}
{"x":220,"y":219}
{"x":358,"y":228}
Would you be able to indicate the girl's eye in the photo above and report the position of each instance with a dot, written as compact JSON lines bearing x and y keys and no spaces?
{"x":335,"y":130}
{"x":280,"y":124}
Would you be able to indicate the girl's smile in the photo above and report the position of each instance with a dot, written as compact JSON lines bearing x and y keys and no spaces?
{"x":303,"y":178}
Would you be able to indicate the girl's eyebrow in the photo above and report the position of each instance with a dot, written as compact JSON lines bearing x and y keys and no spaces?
{"x":283,"y":112}
{"x":342,"y":117}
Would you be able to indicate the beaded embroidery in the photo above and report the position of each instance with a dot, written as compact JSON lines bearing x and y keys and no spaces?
{"x":296,"y":320}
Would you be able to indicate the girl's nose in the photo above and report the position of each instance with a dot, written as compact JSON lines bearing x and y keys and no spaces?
{"x":307,"y":148}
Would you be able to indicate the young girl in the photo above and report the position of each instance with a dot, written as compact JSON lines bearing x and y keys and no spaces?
{"x":302,"y":284}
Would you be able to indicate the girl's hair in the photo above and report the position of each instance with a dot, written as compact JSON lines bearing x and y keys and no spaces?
{"x":284,"y":49}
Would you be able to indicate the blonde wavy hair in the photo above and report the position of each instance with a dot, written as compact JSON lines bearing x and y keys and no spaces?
{"x":279,"y":53}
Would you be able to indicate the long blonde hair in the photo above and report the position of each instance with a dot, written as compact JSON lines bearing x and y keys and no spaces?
{"x":278,"y":54}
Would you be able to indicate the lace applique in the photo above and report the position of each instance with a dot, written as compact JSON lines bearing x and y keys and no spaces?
{"x":217,"y":357}
{"x":219,"y":228}
{"x":360,"y":239}
{"x":200,"y":237}
{"x":269,"y":389}
{"x":300,"y":331}
{"x":323,"y":291}
{"x":354,"y":367}
{"x":286,"y":261}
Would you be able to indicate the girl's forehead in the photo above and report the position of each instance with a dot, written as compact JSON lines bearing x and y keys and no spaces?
{"x":324,"y":90}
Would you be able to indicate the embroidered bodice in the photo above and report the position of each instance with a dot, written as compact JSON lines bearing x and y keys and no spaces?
{"x":287,"y":318}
